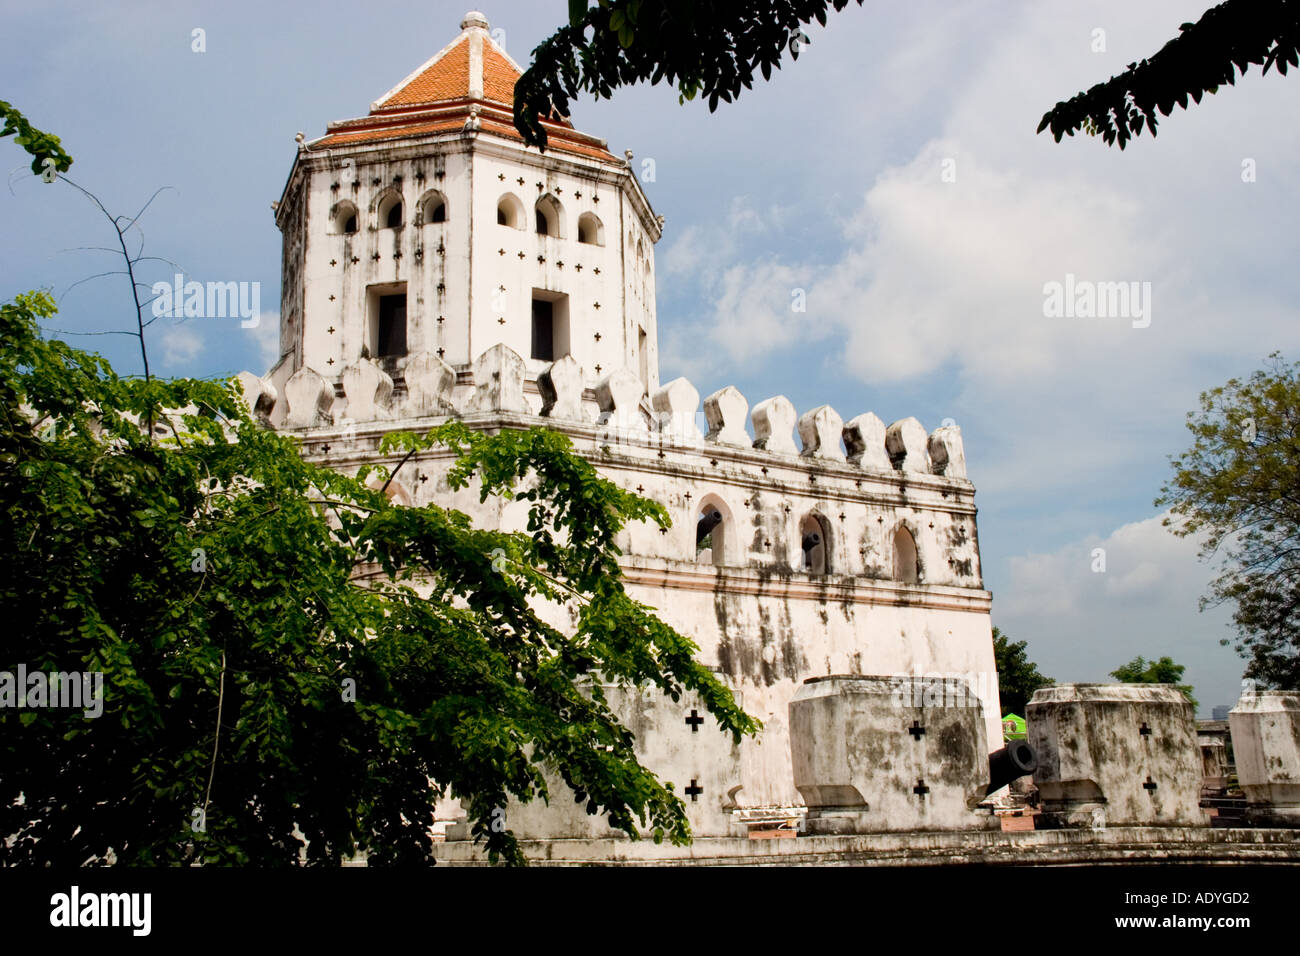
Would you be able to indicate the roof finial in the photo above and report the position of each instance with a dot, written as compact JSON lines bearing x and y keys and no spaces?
{"x":474,"y":19}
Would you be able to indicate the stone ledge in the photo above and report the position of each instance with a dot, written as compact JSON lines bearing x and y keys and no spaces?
{"x":649,"y":571}
{"x":1155,"y":845}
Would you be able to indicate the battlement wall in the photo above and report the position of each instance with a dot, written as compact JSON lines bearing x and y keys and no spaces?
{"x":851,"y":499}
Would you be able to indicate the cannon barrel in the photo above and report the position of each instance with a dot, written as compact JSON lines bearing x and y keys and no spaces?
{"x":1013,"y":761}
{"x":706,"y":524}
{"x":811,"y":540}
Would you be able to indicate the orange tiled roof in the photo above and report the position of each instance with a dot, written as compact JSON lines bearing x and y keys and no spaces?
{"x":453,"y":75}
{"x":446,"y":78}
{"x":499,"y":76}
{"x":437,"y":98}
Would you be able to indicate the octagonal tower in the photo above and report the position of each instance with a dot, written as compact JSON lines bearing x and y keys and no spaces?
{"x":428,"y":226}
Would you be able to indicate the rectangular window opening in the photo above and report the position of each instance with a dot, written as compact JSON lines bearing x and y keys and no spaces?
{"x":550,"y":326}
{"x":543,"y":330}
{"x":392,"y":326}
{"x":643,"y":356}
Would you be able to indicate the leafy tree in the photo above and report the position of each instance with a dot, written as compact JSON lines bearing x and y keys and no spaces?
{"x":40,"y":146}
{"x":708,"y":48}
{"x":1239,"y":486}
{"x":1164,"y":671}
{"x":288,"y":654}
{"x":1018,"y":676}
{"x":1204,"y":56}
{"x":284,"y":649}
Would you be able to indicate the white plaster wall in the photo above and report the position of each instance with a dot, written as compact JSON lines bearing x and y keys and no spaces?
{"x":588,"y":274}
{"x":485,"y":272}
{"x":446,"y":171}
{"x":761,"y":622}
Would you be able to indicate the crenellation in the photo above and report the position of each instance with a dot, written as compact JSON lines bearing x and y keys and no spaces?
{"x":725,"y":412}
{"x":368,"y":390}
{"x":908,"y":446}
{"x":259,"y":395}
{"x":429,"y":385}
{"x":498,"y":381}
{"x":864,"y":439}
{"x":675,"y":406}
{"x":820,"y":430}
{"x":619,"y":396}
{"x":309,"y":399}
{"x":774,"y":422}
{"x":947,"y":454}
{"x":561,"y":389}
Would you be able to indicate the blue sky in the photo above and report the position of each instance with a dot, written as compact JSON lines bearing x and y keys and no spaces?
{"x":924,"y":296}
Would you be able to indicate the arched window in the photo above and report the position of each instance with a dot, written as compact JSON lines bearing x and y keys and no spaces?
{"x":510,"y":211}
{"x":390,"y":210}
{"x":713,"y":531}
{"x":395,"y":492}
{"x":590,"y":230}
{"x":549,"y":217}
{"x":344,"y":219}
{"x":433,"y":208}
{"x":815,"y":543}
{"x":906,"y":568}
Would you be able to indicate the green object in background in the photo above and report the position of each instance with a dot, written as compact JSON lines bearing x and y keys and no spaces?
{"x":1013,"y":727}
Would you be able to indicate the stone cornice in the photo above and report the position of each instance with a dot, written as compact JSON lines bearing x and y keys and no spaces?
{"x":798,"y":585}
{"x":648,"y":572}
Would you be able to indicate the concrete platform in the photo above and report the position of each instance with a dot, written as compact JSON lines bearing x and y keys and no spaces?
{"x":1128,"y":845}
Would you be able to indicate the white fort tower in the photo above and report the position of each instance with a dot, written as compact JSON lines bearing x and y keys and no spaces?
{"x":436,"y":267}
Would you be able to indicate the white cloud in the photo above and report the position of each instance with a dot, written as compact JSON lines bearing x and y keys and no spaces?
{"x":181,"y":343}
{"x":1081,"y":624}
{"x":931,"y":272}
{"x":756,"y":305}
{"x":266,"y":335}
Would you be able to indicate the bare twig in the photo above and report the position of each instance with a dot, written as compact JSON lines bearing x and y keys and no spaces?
{"x":405,"y":459}
{"x":121,"y":230}
{"x":216,"y":740}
